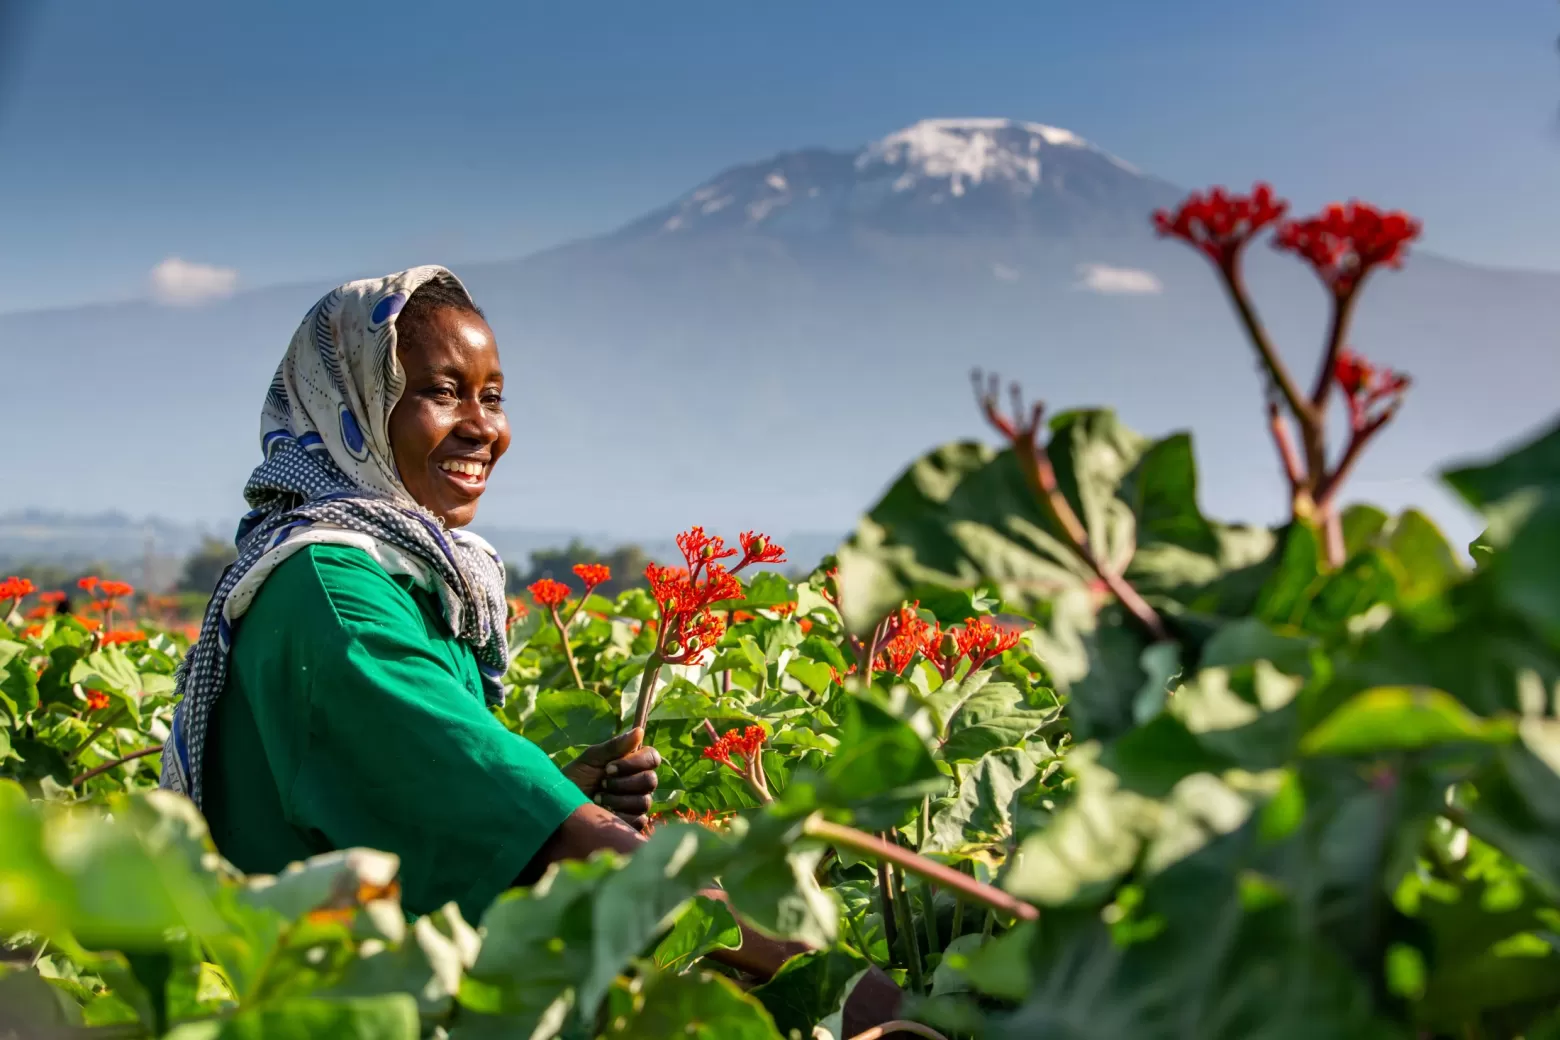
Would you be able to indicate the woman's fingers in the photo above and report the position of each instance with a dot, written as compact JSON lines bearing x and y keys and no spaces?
{"x":632,"y":783}
{"x":625,"y":805}
{"x":635,"y":762}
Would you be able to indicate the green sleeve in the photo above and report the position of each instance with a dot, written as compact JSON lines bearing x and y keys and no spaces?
{"x":396,"y":752}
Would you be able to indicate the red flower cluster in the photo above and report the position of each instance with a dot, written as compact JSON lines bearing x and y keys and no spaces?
{"x":757,"y":548}
{"x":518,"y":611}
{"x":113,"y":589}
{"x":104,"y":606}
{"x":980,"y":639}
{"x":548,"y":593}
{"x":97,"y":700}
{"x":1220,"y":223}
{"x":14,"y":588}
{"x":133,"y":635}
{"x":1344,"y":242}
{"x":54,"y":597}
{"x":593,"y":574}
{"x":744,"y":744}
{"x":685,"y":596}
{"x":1364,"y":385}
{"x":32,"y":631}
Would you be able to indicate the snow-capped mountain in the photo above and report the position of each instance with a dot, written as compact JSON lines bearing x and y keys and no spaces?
{"x":769,"y":349}
{"x":994,"y":176}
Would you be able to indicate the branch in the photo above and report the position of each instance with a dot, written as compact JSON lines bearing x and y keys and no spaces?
{"x":105,"y":767}
{"x":1298,"y":406}
{"x":1037,"y":468}
{"x":563,"y":637}
{"x":866,"y":845}
{"x":1357,"y":441}
{"x":1279,"y":427}
{"x":1337,"y":332}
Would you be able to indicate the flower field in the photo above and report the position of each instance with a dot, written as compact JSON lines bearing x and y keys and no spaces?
{"x":1060,"y":755}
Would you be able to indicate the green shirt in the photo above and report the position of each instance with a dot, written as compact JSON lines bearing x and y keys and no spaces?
{"x":352,"y":717}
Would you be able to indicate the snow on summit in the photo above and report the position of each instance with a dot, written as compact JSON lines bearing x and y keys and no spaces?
{"x":937,"y":175}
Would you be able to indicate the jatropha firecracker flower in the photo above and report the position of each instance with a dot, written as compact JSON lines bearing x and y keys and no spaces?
{"x":1345,"y":241}
{"x":746,"y":746}
{"x":1364,"y":386}
{"x":548,"y":593}
{"x":1220,"y":223}
{"x":686,"y":595}
{"x":979,"y":639}
{"x":593,"y":574}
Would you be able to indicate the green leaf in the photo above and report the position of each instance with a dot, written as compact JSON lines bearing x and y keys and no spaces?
{"x":694,"y":1007}
{"x":705,"y":924}
{"x":808,"y":987}
{"x":570,"y":718}
{"x":981,"y":810}
{"x":391,"y":1016}
{"x":1398,"y":718}
{"x":881,"y":766}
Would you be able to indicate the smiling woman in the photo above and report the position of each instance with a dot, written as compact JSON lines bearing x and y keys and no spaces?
{"x":340,"y":693}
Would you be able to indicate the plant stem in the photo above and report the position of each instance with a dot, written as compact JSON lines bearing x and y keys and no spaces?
{"x":943,"y":876}
{"x":647,"y":680}
{"x":907,"y":932}
{"x":1236,"y":287}
{"x":928,"y":893}
{"x":112,"y":720}
{"x":989,"y":926}
{"x":105,"y":767}
{"x":958,"y":919}
{"x":886,"y":908}
{"x":563,"y":637}
{"x":1337,"y":332}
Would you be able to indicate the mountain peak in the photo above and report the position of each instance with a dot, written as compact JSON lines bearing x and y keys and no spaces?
{"x":971,"y":151}
{"x":938,"y":175}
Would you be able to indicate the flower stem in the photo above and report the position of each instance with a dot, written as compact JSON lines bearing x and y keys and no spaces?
{"x":1235,"y":285}
{"x":563,"y":637}
{"x":907,"y":931}
{"x":886,"y":908}
{"x":943,"y":876}
{"x":106,"y":766}
{"x":928,"y":893}
{"x":647,"y":680}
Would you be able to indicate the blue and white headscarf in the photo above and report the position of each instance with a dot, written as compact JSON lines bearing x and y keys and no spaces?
{"x":329,"y":477}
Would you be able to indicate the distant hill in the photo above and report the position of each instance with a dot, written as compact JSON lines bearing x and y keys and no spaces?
{"x":769,"y":350}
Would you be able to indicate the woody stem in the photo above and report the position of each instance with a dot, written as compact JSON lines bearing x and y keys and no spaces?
{"x":1328,"y":491}
{"x":563,"y":637}
{"x":1337,"y":333}
{"x":1235,"y":285}
{"x":865,"y":844}
{"x":106,"y":766}
{"x":1036,"y":463}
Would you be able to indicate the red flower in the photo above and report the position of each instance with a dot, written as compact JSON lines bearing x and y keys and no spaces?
{"x":1344,"y":242}
{"x":116,"y":588}
{"x":133,"y":635}
{"x":700,"y":549}
{"x":518,"y":611}
{"x":784,"y":609}
{"x":549,"y":593}
{"x":908,"y":639}
{"x":52,"y":597}
{"x":1364,"y":385}
{"x":1219,"y":224}
{"x":739,"y":616}
{"x":32,"y":631}
{"x":593,"y":574}
{"x":757,"y":548}
{"x":982,"y":640}
{"x":88,"y":583}
{"x":97,"y":700}
{"x":806,"y":625}
{"x":104,"y":606}
{"x":15,"y":588}
{"x":745,"y":745}
{"x":40,"y":612}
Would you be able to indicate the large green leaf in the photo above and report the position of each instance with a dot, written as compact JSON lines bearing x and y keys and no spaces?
{"x":808,"y":987}
{"x":694,"y":1007}
{"x":982,"y":808}
{"x":390,"y":1016}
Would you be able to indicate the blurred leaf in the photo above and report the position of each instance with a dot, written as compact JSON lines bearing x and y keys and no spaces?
{"x":808,"y":987}
{"x":1397,"y":717}
{"x":701,"y":1007}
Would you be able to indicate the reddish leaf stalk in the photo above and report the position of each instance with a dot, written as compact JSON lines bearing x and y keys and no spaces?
{"x":106,"y":766}
{"x":899,"y":1025}
{"x":938,"y":874}
{"x":1035,"y":462}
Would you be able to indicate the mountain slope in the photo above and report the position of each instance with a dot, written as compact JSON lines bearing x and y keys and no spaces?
{"x":773,"y":360}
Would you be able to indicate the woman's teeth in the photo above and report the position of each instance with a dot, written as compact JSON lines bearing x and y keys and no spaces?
{"x":469,"y":469}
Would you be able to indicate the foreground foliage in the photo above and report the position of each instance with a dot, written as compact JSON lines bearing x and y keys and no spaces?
{"x":1061,"y":754}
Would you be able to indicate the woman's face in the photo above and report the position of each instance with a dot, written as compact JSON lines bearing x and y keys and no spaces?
{"x":449,"y":428}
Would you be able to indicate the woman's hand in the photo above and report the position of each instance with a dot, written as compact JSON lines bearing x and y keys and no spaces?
{"x":618,"y":775}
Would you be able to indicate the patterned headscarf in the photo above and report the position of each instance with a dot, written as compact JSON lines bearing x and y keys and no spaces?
{"x":329,"y":477}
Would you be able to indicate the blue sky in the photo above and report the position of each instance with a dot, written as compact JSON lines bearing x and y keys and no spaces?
{"x":293,"y":140}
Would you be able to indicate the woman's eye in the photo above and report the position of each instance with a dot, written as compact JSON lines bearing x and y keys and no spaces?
{"x":444,"y":393}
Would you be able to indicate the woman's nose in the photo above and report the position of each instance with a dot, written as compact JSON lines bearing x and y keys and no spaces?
{"x":477,"y":423}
